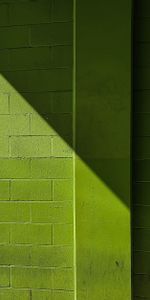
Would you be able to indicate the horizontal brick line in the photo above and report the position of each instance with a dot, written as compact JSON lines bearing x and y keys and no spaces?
{"x":141,"y":113}
{"x":41,"y":115}
{"x":51,"y":156}
{"x":35,"y":24}
{"x":37,"y":69}
{"x":36,"y":46}
{"x":144,"y":274}
{"x":34,"y":223}
{"x":141,"y":159}
{"x":141,"y":90}
{"x":69,"y":67}
{"x":35,"y":201}
{"x":141,"y":18}
{"x":142,"y":42}
{"x":141,"y":251}
{"x":39,"y":246}
{"x":143,"y":205}
{"x":33,"y":158}
{"x":37,"y":267}
{"x":34,"y":289}
{"x":41,"y":91}
{"x":46,"y":91}
{"x":141,"y":228}
{"x":36,"y":244}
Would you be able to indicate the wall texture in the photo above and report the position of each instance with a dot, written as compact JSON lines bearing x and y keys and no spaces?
{"x":36,"y":189}
{"x":141,"y":144}
{"x":103,"y":103}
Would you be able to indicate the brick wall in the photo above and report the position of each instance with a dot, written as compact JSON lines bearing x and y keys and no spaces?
{"x":36,"y":189}
{"x":141,"y":147}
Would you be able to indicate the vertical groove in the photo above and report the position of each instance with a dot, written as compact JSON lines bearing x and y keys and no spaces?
{"x":74,"y":144}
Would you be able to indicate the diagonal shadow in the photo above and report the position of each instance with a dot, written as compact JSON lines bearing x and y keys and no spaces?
{"x":40,"y":69}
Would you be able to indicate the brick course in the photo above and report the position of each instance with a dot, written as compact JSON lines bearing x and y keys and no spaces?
{"x":36,"y":164}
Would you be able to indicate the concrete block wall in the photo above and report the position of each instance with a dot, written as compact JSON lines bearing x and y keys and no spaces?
{"x":36,"y":163}
{"x":141,"y":147}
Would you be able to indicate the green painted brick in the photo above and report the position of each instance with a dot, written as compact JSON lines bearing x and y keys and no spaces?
{"x":11,"y":37}
{"x":52,"y":256}
{"x":40,"y":80}
{"x":63,"y":279}
{"x":52,"y":295}
{"x":31,"y":146}
{"x":14,"y":212}
{"x":62,"y":102}
{"x":31,"y":190}
{"x":141,"y":262}
{"x":61,"y":147}
{"x":4,"y":276}
{"x":30,"y":12}
{"x":31,"y":234}
{"x":20,"y":124}
{"x":19,"y":104}
{"x":12,"y":294}
{"x":141,"y":216}
{"x":41,"y":125}
{"x":4,"y":103}
{"x":31,"y":278}
{"x":51,"y":124}
{"x":4,"y":14}
{"x":4,"y":146}
{"x":63,"y":234}
{"x":4,"y":233}
{"x":41,"y":295}
{"x":30,"y":102}
{"x":4,"y":59}
{"x":62,"y":56}
{"x":5,"y":125}
{"x":63,"y":11}
{"x":141,"y":282}
{"x":62,"y":295}
{"x":52,"y":213}
{"x":51,"y":168}
{"x":14,"y":124}
{"x":14,"y":168}
{"x":42,"y":256}
{"x":141,"y":239}
{"x":4,"y":190}
{"x":51,"y":34}
{"x":15,"y":255}
{"x":63,"y":190}
{"x":30,"y":58}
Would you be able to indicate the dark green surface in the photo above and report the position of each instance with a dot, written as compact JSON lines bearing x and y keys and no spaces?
{"x":141,"y":151}
{"x":103,"y":102}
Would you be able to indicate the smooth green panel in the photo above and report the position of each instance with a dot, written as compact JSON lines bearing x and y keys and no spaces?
{"x":103,"y":101}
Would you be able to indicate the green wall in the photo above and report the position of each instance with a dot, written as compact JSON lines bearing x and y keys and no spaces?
{"x":141,"y":143}
{"x":36,"y":188}
{"x":51,"y":200}
{"x":103,"y":104}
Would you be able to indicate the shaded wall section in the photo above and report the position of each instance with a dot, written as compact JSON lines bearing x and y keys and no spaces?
{"x":103,"y":103}
{"x":36,"y":189}
{"x":141,"y":144}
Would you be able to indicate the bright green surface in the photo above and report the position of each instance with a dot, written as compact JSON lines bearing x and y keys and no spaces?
{"x":103,"y":101}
